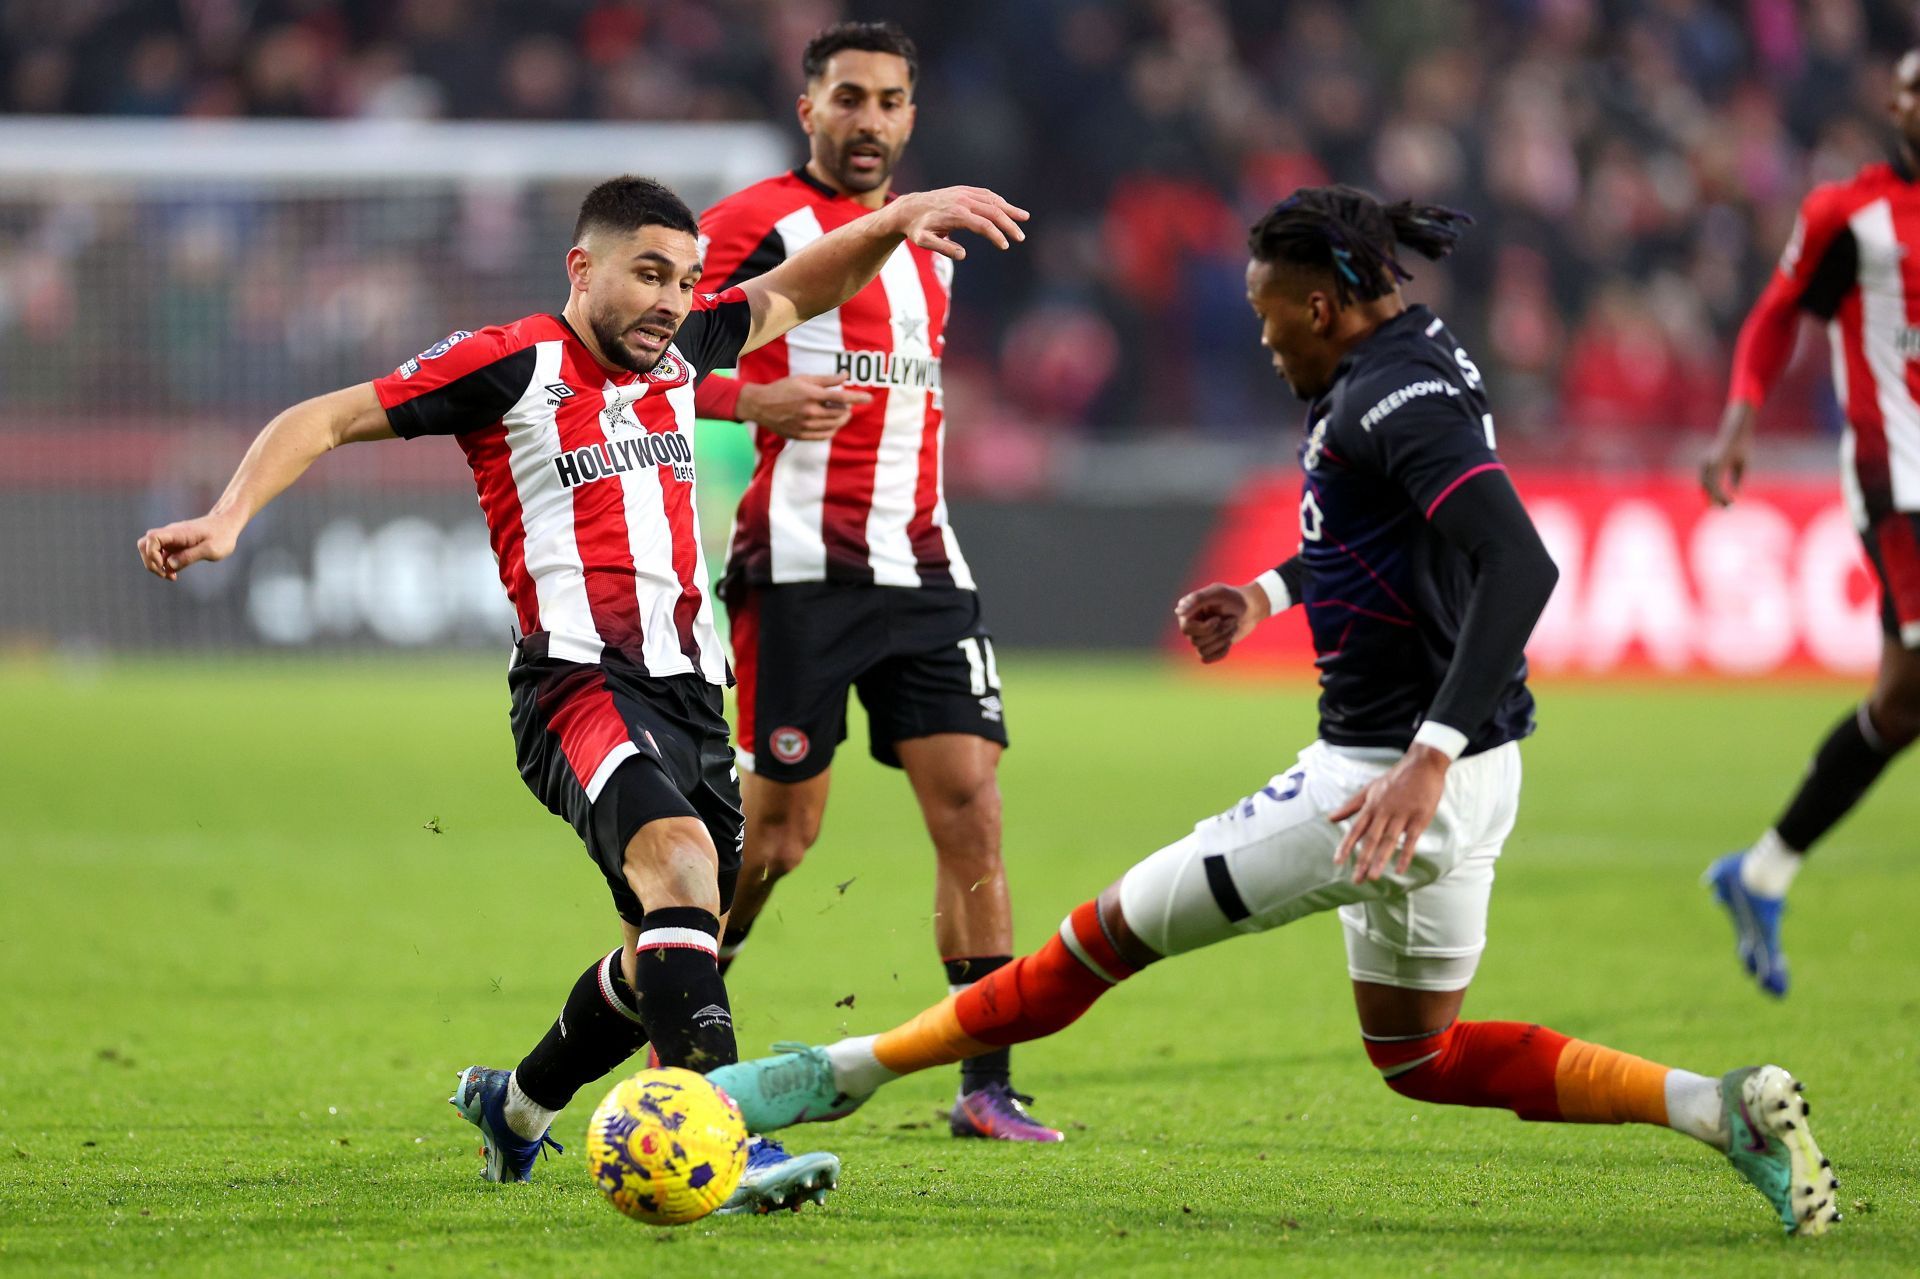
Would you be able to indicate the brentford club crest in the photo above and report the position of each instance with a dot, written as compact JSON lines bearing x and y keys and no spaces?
{"x":671,"y":369}
{"x":789,"y":745}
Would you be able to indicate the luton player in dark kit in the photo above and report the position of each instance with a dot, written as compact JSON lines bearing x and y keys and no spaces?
{"x":1422,"y":577}
{"x":578,"y":429}
{"x":843,"y":572}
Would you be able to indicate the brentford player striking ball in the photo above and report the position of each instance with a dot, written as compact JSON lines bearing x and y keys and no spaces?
{"x":844,"y":573}
{"x":579,"y":430}
{"x":1854,"y":262}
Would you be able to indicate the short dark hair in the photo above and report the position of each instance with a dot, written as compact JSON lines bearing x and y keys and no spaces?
{"x":867,"y":37}
{"x":628,"y":203}
{"x":1346,"y":234}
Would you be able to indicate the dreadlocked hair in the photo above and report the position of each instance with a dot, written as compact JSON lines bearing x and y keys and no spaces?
{"x":1348,"y":234}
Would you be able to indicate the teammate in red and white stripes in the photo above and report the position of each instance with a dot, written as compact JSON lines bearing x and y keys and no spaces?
{"x":844,"y":572}
{"x":1853,"y":261}
{"x":579,"y":428}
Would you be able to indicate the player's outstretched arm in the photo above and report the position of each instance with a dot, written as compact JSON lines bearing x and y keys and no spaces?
{"x":280,"y":454}
{"x":838,"y":265}
{"x":806,"y":406}
{"x":1216,"y":617}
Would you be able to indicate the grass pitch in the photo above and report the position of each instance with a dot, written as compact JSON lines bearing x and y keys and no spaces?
{"x":253,"y":919}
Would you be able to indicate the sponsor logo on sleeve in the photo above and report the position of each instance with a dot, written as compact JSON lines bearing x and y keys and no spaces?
{"x":1393,"y":400}
{"x":407,"y":370}
{"x":445,"y":344}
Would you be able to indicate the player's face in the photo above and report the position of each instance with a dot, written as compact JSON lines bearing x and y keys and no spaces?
{"x":859,"y":115}
{"x":1906,"y":98}
{"x":636,"y":290}
{"x":1294,"y":329}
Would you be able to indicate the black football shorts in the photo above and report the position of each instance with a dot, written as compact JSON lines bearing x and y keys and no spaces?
{"x":610,"y":750}
{"x":919,"y":657}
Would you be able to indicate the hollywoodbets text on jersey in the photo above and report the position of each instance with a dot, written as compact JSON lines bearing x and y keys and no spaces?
{"x":628,"y":453}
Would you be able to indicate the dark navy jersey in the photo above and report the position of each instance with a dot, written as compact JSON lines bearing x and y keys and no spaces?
{"x":1404,"y":427}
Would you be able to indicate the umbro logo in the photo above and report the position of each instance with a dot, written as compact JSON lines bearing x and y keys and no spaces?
{"x":992,"y":708}
{"x":559,"y":390}
{"x":712,"y":1015}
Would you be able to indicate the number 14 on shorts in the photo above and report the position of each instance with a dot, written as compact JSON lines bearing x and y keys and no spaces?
{"x":983,"y":673}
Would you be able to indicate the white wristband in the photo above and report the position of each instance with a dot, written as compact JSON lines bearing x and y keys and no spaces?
{"x":1448,"y":741}
{"x":1279,"y":598}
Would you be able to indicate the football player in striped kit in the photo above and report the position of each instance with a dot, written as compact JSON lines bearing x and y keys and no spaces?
{"x":844,"y":572}
{"x":578,"y":428}
{"x":1851,"y":262}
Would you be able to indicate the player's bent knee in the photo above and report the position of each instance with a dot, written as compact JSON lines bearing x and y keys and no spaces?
{"x":1113,"y":923}
{"x":1896,"y":718}
{"x":777,"y":852}
{"x":971,"y":807}
{"x":672,"y":862}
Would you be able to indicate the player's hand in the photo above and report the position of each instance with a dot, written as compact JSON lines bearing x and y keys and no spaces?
{"x":807,"y":406}
{"x":1215,"y":618}
{"x":171,"y":547}
{"x":931,"y":219}
{"x":1726,"y":462}
{"x":1391,"y":814}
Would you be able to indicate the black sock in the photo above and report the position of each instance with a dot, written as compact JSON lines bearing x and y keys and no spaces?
{"x":598,"y":1028}
{"x":1843,"y":768}
{"x":682,"y":997}
{"x":994,"y":1067}
{"x":730,"y":943}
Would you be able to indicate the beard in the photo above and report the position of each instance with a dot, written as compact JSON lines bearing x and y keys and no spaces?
{"x":610,"y":332}
{"x":839,"y":163}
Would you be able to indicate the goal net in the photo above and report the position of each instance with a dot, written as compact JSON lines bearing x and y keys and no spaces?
{"x":166,"y":287}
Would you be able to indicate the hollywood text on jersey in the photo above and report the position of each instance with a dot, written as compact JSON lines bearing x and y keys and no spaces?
{"x":884,"y":368}
{"x":625,"y":453}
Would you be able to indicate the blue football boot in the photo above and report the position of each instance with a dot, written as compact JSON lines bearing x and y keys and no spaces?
{"x":481,"y":1098}
{"x":775,"y":1179}
{"x":1756,"y":923}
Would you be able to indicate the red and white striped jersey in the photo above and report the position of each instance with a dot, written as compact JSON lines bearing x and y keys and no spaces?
{"x":586,"y":478}
{"x":869,"y":504}
{"x":1854,"y":261}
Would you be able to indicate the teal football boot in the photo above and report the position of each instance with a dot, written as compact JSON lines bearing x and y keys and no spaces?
{"x":1771,"y":1145}
{"x":794,"y":1087}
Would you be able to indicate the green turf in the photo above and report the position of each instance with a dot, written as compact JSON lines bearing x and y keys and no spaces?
{"x":240,"y":971}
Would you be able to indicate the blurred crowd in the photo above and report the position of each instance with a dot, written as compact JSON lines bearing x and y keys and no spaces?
{"x":1633,"y":165}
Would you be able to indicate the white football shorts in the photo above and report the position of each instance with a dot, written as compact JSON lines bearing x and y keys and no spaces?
{"x":1268,"y":861}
